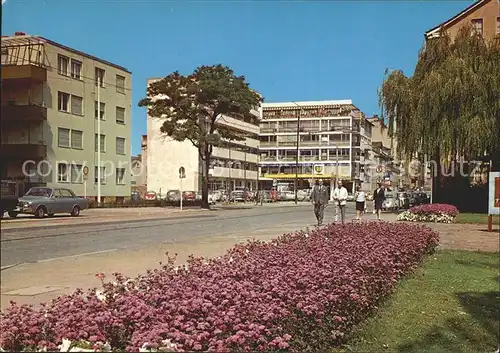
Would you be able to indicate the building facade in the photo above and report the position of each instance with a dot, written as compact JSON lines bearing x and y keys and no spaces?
{"x":139,"y":169}
{"x":326,"y":139}
{"x":49,"y":118}
{"x":482,"y":15}
{"x":233,"y":165}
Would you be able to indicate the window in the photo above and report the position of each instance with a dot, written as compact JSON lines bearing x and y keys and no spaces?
{"x":66,"y":193}
{"x":99,"y":76}
{"x":120,"y":84}
{"x":120,"y":145}
{"x":76,"y":173}
{"x":76,"y":105}
{"x":103,"y":143}
{"x":103,"y":175}
{"x":62,"y":65}
{"x":498,"y":25}
{"x":76,"y":69}
{"x":102,"y":110}
{"x":120,"y":176}
{"x":63,"y":137}
{"x":77,"y":139}
{"x":63,"y":101}
{"x":120,"y":115}
{"x":63,"y":173}
{"x":477,"y":26}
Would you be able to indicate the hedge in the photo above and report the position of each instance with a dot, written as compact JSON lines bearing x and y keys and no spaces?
{"x":300,"y":292}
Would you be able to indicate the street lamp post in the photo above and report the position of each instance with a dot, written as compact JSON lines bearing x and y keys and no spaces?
{"x":297,"y":155}
{"x":245,"y":167}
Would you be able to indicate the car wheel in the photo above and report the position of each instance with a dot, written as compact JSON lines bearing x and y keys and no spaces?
{"x":40,"y":212}
{"x":13,"y":214}
{"x":75,"y":212}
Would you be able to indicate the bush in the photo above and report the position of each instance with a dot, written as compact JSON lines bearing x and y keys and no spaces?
{"x":300,"y":292}
{"x":440,"y":213}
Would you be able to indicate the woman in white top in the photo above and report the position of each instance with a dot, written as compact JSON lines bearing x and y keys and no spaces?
{"x":360,"y":197}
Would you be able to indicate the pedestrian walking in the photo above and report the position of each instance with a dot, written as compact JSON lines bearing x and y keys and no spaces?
{"x":340,"y":198}
{"x":360,"y":198}
{"x":319,"y":198}
{"x":378,"y":200}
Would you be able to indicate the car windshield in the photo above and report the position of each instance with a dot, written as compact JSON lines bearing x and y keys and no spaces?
{"x":45,"y":192}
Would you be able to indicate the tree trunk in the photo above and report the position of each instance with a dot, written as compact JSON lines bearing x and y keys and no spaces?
{"x":436,"y":177}
{"x":204,"y":181}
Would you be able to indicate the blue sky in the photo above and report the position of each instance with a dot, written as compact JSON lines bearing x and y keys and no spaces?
{"x":287,"y":50}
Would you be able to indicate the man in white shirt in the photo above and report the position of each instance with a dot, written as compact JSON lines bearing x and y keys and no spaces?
{"x":340,"y":198}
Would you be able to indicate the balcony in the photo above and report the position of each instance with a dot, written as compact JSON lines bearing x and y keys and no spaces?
{"x":24,"y":73}
{"x":234,"y":155}
{"x":23,"y":151}
{"x":268,"y":144}
{"x":233,"y":173}
{"x":25,"y":112}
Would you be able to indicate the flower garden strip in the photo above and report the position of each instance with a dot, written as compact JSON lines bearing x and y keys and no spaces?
{"x":300,"y":292}
{"x":440,"y":213}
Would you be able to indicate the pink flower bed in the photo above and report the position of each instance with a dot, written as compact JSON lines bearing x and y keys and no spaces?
{"x":437,"y":209}
{"x":303,"y":291}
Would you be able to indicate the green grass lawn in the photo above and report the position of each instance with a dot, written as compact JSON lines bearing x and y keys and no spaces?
{"x":450,"y":304}
{"x":476,"y":218}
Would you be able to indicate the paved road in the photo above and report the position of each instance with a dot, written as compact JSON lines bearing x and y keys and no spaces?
{"x":30,"y":245}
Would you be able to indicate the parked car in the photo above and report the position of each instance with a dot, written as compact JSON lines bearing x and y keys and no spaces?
{"x":419,"y":198}
{"x":404,"y":200}
{"x":287,"y":195}
{"x":369,"y":196}
{"x":41,"y":201}
{"x":150,"y":195}
{"x":350,"y":197}
{"x":173,"y":195}
{"x":189,"y":195}
{"x":135,"y":196}
{"x":238,"y":196}
{"x":9,"y":198}
{"x":391,"y":202}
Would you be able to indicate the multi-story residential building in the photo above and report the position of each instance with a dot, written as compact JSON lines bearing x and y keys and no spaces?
{"x":233,"y":165}
{"x":482,"y":15}
{"x":139,"y":171}
{"x":333,"y":138}
{"x":49,"y":120}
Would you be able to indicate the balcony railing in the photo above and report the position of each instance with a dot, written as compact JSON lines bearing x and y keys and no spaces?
{"x":23,"y":151}
{"x":24,"y":112}
{"x":24,"y":72}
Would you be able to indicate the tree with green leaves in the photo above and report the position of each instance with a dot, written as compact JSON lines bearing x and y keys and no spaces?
{"x":450,"y":107}
{"x":193,"y":108}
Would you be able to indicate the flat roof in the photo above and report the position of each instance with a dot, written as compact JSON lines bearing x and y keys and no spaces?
{"x":28,"y":39}
{"x":307,"y":103}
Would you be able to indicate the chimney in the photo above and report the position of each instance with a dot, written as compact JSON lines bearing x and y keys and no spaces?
{"x":19,"y":34}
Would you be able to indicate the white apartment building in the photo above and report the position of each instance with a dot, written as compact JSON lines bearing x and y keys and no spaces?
{"x":233,"y":166}
{"x":50,"y":118}
{"x":333,"y":138}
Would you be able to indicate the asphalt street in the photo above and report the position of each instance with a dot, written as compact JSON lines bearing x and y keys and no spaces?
{"x":31,"y":245}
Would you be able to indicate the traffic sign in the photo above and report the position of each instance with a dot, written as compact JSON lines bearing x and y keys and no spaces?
{"x":85,"y":170}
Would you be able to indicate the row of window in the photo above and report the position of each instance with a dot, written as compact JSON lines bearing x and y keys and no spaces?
{"x":71,"y":138}
{"x":73,"y":173}
{"x":73,"y":68}
{"x":477,"y":25}
{"x":73,"y":104}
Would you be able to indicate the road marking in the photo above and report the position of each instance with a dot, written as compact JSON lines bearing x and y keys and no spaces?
{"x":73,"y":256}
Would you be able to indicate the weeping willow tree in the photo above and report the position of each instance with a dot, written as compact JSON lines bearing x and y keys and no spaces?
{"x":450,"y":107}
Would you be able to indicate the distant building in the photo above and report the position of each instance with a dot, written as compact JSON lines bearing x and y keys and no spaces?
{"x":233,"y":165}
{"x":482,"y":15}
{"x":49,"y":123}
{"x":139,"y":169}
{"x":333,"y":137}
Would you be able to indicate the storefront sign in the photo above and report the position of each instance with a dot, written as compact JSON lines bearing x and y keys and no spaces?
{"x":494,"y":194}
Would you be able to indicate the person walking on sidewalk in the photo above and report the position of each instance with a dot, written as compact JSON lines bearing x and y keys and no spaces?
{"x":360,"y":198}
{"x":378,"y":200}
{"x":340,"y":198}
{"x":319,"y":198}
